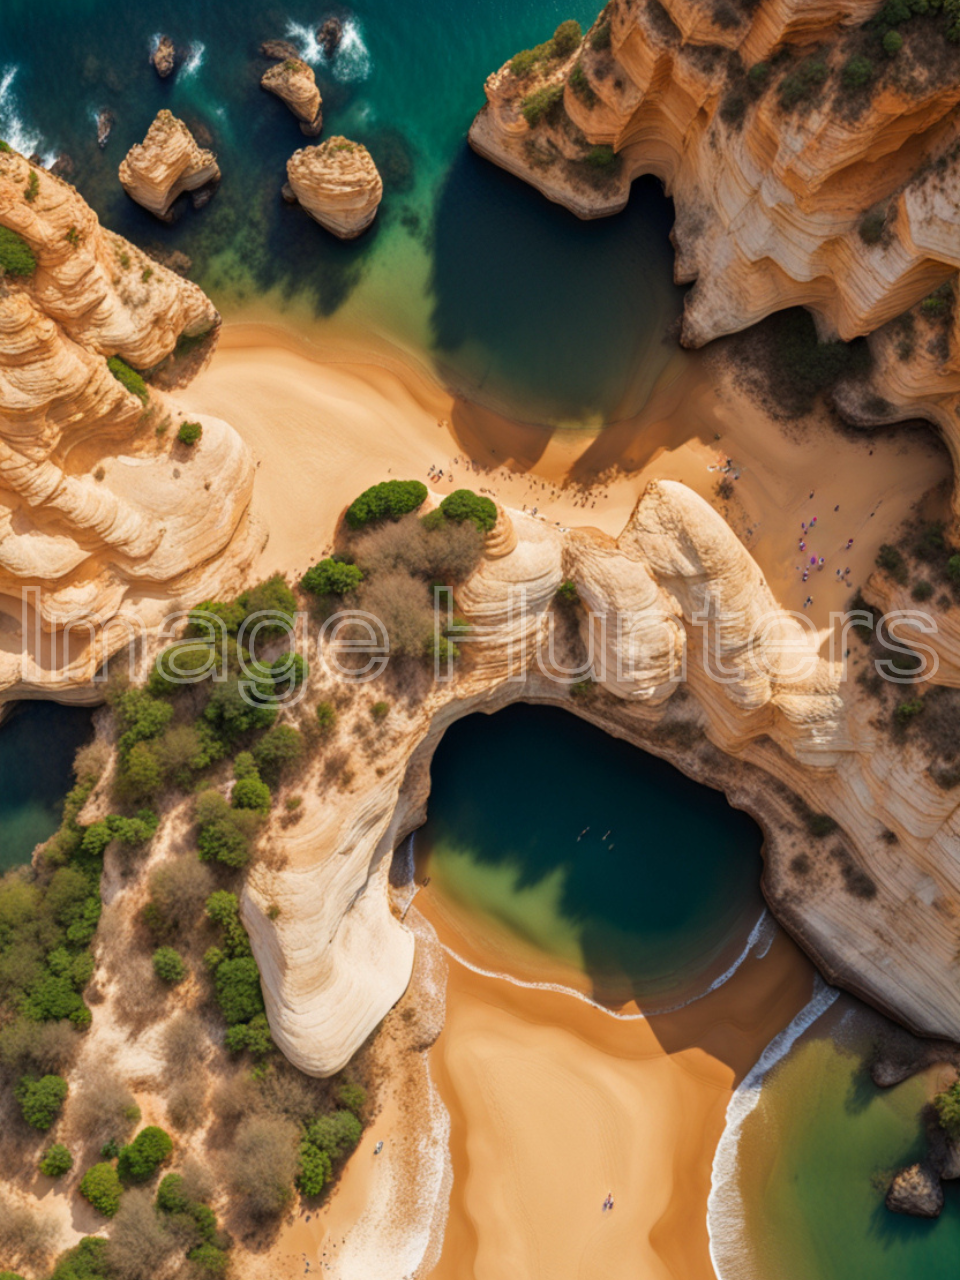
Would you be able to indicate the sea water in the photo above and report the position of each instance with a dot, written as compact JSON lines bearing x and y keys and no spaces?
{"x":507,"y":297}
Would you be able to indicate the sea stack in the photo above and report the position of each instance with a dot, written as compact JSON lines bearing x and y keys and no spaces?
{"x":329,"y":36}
{"x":917,"y":1191}
{"x":168,"y":162}
{"x":293,"y":81}
{"x":105,"y":122}
{"x":164,"y":57}
{"x":338,"y":185}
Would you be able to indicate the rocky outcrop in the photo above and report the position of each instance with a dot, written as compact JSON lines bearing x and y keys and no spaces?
{"x":917,"y":1191}
{"x":294,"y":83}
{"x":167,"y":163}
{"x":337,"y":183}
{"x":691,"y":659}
{"x":329,"y":35}
{"x":105,"y":122}
{"x":100,"y":534}
{"x":798,"y":179}
{"x":279,"y":49}
{"x":164,"y":57}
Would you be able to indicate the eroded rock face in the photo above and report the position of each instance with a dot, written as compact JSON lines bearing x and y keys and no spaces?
{"x":916,"y":1191}
{"x":294,"y":83}
{"x":337,"y":183}
{"x":164,"y":57}
{"x":93,"y":521}
{"x":784,"y":736}
{"x":167,"y":163}
{"x":791,"y":187}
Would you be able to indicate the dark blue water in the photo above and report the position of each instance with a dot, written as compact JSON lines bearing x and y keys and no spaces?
{"x":511,"y":298}
{"x":595,"y":852}
{"x":38,"y":741}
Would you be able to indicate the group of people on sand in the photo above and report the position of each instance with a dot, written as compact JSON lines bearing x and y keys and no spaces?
{"x":818,"y":562}
{"x":608,"y":1203}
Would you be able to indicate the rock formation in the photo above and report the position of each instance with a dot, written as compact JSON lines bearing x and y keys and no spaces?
{"x":100,"y":535}
{"x":279,"y":49}
{"x":294,"y":83}
{"x":807,"y":165}
{"x":167,"y":163}
{"x":917,"y":1191}
{"x":105,"y":122}
{"x":337,"y":183}
{"x":164,"y":57}
{"x":329,"y":34}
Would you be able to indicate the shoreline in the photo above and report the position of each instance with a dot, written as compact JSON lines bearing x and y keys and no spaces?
{"x":520,"y":1069}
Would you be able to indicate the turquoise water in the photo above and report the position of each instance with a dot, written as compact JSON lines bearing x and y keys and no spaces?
{"x":512,"y":299}
{"x":38,"y":741}
{"x":597,"y":853}
{"x":817,"y":1156}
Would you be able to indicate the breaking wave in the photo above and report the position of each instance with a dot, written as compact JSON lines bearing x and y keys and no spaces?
{"x":13,"y":129}
{"x":350,"y":64}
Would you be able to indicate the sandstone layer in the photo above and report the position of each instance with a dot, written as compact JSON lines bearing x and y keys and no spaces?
{"x":792,"y":185}
{"x":294,"y":83}
{"x":692,"y":659}
{"x":103,"y":530}
{"x":167,"y":163}
{"x":337,"y":183}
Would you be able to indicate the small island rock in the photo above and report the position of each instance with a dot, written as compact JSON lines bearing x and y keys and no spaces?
{"x":338,"y":185}
{"x":279,"y":49}
{"x":167,"y":163}
{"x":294,"y":83}
{"x":105,"y":122}
{"x":916,"y":1190}
{"x":164,"y":57}
{"x":329,"y":36}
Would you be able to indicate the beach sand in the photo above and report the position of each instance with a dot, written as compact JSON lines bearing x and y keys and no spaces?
{"x":326,"y":422}
{"x":554,"y":1104}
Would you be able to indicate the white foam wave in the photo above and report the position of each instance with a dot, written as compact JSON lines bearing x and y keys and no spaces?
{"x":350,"y":64}
{"x":724,"y":1208}
{"x":194,"y":59}
{"x":13,"y":128}
{"x":759,"y":940}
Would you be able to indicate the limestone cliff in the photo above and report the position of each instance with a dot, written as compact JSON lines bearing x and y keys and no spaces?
{"x":167,"y":163}
{"x":693,"y":660}
{"x":809,"y":162}
{"x":338,"y":184}
{"x":294,"y":83}
{"x":102,"y":523}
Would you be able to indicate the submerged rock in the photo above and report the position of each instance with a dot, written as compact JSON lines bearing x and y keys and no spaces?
{"x":164,"y":57}
{"x":329,"y":34}
{"x":279,"y":49}
{"x":916,"y":1190}
{"x":63,"y":166}
{"x":338,"y":185}
{"x":105,"y":122}
{"x":294,"y":83}
{"x":167,"y":163}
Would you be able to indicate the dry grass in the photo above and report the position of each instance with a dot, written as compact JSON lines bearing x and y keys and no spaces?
{"x":26,"y":1236}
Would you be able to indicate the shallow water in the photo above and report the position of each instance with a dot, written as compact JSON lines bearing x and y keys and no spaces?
{"x":601,"y":856}
{"x":38,"y":741}
{"x":511,"y":298}
{"x":816,"y":1157}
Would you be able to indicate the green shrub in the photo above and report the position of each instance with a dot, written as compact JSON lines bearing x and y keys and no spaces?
{"x":102,"y":1187}
{"x":87,"y":1261}
{"x":522,"y":63}
{"x":947,"y":1105}
{"x":545,"y":103}
{"x":733,"y":108}
{"x":605,"y":160}
{"x":56,"y":1161}
{"x":953,"y":568}
{"x":380,"y":710}
{"x":567,"y":592}
{"x":892,"y":43}
{"x":327,"y":715}
{"x":208,"y":1259}
{"x":907,"y":711}
{"x":566,"y":38}
{"x":891,"y":561}
{"x":871,"y":226}
{"x":231,"y":715}
{"x":128,"y":378}
{"x":277,"y":751}
{"x":168,"y":965}
{"x":352,"y":1096}
{"x":582,"y":86}
{"x":238,"y":989}
{"x":250,"y":792}
{"x":189,"y":433}
{"x":273,"y":596}
{"x":225,"y":834}
{"x":922,"y":590}
{"x":857,"y":72}
{"x":140,"y":1159}
{"x":16,"y":256}
{"x":464,"y":504}
{"x":600,"y":36}
{"x":33,"y":187}
{"x":315,"y":1171}
{"x":335,"y":1134}
{"x":6,"y":148}
{"x":936,"y":304}
{"x":389,"y":500}
{"x":802,"y":83}
{"x":331,"y":578}
{"x":41,"y":1100}
{"x":254,"y":1036}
